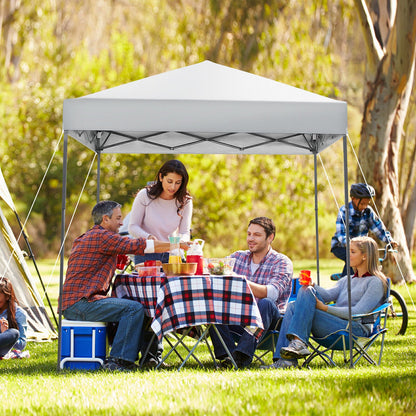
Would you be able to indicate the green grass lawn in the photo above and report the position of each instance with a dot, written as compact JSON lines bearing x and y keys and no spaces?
{"x":34,"y":387}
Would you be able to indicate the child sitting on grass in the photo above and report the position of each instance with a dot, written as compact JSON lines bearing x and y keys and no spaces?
{"x":13,"y":323}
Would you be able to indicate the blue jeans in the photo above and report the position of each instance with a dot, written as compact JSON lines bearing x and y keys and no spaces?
{"x":7,"y":339}
{"x":129,"y":315}
{"x":246,"y":341}
{"x":163,"y":257}
{"x":302,"y":318}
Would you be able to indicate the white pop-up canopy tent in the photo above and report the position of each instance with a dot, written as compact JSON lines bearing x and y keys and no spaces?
{"x":205,"y":109}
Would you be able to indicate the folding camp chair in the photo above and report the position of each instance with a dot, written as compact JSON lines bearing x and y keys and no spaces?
{"x":339,"y":340}
{"x":268,"y":342}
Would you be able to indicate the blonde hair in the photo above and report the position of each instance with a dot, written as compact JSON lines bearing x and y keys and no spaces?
{"x":369,"y":247}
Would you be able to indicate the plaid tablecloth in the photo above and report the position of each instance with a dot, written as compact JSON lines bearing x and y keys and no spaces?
{"x":186,"y":301}
{"x":141,"y":289}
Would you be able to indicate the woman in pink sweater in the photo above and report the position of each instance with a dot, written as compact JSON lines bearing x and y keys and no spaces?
{"x":158,"y":211}
{"x":163,"y":208}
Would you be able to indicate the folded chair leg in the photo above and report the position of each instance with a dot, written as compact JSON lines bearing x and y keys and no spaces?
{"x":211,"y":352}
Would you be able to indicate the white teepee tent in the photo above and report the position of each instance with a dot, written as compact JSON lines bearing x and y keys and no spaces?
{"x":13,"y":265}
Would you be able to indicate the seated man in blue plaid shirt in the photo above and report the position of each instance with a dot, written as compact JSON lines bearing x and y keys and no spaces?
{"x":269,"y":275}
{"x":362,"y":219}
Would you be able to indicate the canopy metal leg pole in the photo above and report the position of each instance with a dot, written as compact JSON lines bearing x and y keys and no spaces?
{"x":61,"y":270}
{"x":32,"y":257}
{"x":98,"y":175}
{"x":347,"y":233}
{"x":316,"y":216}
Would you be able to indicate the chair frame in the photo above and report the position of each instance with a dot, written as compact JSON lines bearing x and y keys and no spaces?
{"x":268,"y":343}
{"x":339,"y":340}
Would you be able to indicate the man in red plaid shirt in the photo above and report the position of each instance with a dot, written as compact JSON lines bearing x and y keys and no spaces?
{"x":269,"y":275}
{"x":91,"y":267}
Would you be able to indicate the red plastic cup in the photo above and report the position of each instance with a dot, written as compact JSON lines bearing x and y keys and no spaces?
{"x":122,"y":260}
{"x":305,"y":277}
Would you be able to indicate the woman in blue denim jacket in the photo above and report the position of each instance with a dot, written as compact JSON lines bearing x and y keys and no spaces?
{"x":13,"y":321}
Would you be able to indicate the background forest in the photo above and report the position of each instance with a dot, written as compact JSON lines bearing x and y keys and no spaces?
{"x":51,"y":50}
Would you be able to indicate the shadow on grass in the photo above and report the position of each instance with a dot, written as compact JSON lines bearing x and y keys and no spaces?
{"x":44,"y":360}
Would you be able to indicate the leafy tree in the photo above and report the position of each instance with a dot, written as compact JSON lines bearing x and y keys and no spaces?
{"x":390,"y":39}
{"x":53,"y":52}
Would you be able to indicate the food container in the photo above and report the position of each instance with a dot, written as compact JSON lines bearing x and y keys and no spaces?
{"x":179,"y":269}
{"x":194,"y":255}
{"x":144,"y":271}
{"x":174,"y":250}
{"x":199,"y":260}
{"x":221,"y":266}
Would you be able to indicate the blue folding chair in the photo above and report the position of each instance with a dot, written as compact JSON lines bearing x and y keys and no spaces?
{"x":268,"y":342}
{"x":339,"y":340}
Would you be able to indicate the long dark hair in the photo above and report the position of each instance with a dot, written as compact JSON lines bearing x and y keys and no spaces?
{"x":7,"y":288}
{"x":171,"y":166}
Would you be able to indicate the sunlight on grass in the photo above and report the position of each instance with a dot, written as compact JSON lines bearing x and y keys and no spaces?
{"x":34,"y":387}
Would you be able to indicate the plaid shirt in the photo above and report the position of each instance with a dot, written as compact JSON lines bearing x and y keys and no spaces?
{"x":275,"y":269}
{"x":92,"y":264}
{"x":360,"y":223}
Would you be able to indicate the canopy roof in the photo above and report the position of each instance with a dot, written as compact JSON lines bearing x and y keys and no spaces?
{"x":205,"y":108}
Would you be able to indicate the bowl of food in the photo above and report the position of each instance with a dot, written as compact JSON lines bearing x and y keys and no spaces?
{"x":179,"y":269}
{"x":221,"y":266}
{"x":145,"y":271}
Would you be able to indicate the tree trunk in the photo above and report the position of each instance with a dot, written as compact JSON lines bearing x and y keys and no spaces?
{"x":387,"y":100}
{"x":409,"y":219}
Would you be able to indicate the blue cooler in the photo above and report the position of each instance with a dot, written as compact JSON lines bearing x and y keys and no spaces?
{"x":83,"y":344}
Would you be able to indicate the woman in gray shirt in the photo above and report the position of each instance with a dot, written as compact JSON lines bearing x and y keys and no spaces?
{"x":311,"y":313}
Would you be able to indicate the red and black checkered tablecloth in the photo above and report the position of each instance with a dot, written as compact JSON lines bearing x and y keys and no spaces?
{"x":141,"y":289}
{"x":198,"y":300}
{"x":185,"y":301}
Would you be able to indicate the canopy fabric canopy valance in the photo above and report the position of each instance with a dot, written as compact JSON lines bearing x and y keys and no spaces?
{"x":205,"y":108}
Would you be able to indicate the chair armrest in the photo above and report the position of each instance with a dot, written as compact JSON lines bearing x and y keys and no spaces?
{"x":373,"y":312}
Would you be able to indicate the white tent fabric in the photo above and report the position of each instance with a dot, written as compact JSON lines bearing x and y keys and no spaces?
{"x":13,"y":265}
{"x":4,"y":193}
{"x":205,"y":108}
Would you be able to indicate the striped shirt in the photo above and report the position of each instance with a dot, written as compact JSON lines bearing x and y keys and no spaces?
{"x":92,"y":264}
{"x":360,"y":223}
{"x":275,"y":269}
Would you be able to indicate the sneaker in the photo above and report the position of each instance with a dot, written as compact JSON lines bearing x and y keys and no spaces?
{"x":149,"y":364}
{"x":281,"y":364}
{"x":15,"y":354}
{"x":152,"y":363}
{"x":242,"y":360}
{"x":117,"y":364}
{"x":226,"y":363}
{"x":295,"y":349}
{"x":129,"y":365}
